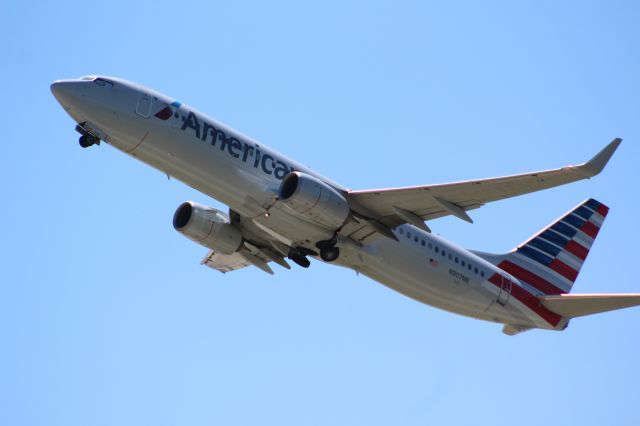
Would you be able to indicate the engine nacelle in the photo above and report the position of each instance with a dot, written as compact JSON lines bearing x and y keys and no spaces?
{"x":208,"y":227}
{"x":314,"y":199}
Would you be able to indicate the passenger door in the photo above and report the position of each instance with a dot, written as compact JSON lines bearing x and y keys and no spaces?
{"x":143,"y":108}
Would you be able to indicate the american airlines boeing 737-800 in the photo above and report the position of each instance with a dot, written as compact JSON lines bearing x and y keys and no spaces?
{"x":279,"y":209}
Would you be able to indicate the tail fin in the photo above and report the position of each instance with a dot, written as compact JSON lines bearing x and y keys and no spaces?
{"x":551,"y":260}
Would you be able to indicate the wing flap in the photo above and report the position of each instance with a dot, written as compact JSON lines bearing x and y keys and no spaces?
{"x":577,"y":305}
{"x":249,"y":255}
{"x":225,"y":262}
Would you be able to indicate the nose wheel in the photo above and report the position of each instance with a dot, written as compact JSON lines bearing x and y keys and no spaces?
{"x":87,"y":140}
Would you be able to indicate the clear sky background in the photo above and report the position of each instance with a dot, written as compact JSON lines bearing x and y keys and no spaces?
{"x":106,"y":316}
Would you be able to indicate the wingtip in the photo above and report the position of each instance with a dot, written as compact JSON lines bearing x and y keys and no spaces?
{"x":600,"y":160}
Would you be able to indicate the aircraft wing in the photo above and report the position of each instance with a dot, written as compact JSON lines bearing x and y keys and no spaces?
{"x":248,"y":255}
{"x":394,"y":206}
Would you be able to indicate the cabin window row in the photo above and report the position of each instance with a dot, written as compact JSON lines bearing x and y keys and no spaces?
{"x":442,"y":252}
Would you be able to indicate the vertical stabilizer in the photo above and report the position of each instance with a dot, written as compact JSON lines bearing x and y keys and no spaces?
{"x":550,"y":261}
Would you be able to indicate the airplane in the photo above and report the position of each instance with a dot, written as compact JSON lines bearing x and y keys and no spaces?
{"x":280,"y":210}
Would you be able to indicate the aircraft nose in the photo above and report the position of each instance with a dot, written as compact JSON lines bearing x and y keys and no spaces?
{"x":66,"y":90}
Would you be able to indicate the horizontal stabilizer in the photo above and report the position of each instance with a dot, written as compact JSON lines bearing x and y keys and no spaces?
{"x":577,"y":305}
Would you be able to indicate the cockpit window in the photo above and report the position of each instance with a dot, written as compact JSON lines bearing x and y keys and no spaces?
{"x":98,"y":80}
{"x":103,"y":82}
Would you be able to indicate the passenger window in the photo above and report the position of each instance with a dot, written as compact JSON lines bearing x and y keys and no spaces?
{"x":463,"y":264}
{"x":469,"y":266}
{"x":401,"y":231}
{"x":408,"y":234}
{"x":456,"y":259}
{"x":422,"y":243}
{"x":475,"y":270}
{"x":415,"y":239}
{"x":482,"y":273}
{"x":436,"y":249}
{"x":444,"y":253}
{"x":450,"y":256}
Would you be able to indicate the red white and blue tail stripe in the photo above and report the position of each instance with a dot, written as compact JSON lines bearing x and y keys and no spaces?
{"x":551,"y":260}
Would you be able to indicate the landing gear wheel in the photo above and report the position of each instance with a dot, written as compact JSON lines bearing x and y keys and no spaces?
{"x":301,"y":260}
{"x":86,"y":141}
{"x":329,"y":254}
{"x":299,"y":255}
{"x":328,"y":250}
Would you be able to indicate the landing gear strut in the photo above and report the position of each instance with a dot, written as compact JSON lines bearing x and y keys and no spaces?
{"x":328,"y":250}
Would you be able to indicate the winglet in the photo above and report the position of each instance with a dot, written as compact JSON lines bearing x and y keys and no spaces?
{"x":597,"y":163}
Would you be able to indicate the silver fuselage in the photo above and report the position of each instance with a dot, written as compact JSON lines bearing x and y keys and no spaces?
{"x":245,"y":175}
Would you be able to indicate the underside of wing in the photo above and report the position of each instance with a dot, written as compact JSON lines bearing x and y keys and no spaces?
{"x":225,"y":262}
{"x":248,"y":255}
{"x":394,"y":206}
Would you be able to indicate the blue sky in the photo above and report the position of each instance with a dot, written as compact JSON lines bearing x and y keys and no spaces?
{"x":106,"y":316}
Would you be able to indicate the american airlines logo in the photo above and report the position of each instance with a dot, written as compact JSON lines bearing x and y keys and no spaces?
{"x":236,"y":148}
{"x":167,"y":112}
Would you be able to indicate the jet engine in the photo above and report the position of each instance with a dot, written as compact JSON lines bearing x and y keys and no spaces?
{"x":208,"y":227}
{"x":314,"y":199}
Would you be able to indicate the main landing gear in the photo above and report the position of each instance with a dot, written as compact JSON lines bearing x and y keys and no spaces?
{"x":299,"y":256}
{"x":86,"y":139}
{"x":328,"y":250}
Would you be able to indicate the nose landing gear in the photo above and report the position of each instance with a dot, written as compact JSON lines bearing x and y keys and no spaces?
{"x":86,"y":139}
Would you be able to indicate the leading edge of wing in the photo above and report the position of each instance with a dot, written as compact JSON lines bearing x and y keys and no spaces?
{"x":583,"y":171}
